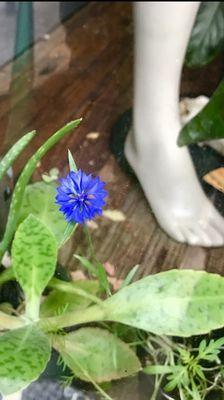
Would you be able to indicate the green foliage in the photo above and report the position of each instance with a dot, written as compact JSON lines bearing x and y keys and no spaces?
{"x":94,"y":354}
{"x":23,"y":180}
{"x":207,"y":37}
{"x":39,"y":200}
{"x":97,"y":270}
{"x":14,"y":152}
{"x":66,"y":299}
{"x":34,"y":257}
{"x":208,"y":124}
{"x":185,"y":367}
{"x":176,"y":302}
{"x":24,"y":354}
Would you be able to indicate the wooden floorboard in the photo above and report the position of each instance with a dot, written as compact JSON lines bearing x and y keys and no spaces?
{"x":85,"y":69}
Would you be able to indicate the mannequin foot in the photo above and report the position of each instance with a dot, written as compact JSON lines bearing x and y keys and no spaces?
{"x":168,"y":179}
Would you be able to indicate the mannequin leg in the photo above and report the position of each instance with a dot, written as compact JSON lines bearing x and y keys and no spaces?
{"x":165,"y":171}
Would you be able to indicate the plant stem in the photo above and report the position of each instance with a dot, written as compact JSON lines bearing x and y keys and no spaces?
{"x":32,"y":308}
{"x":92,"y":314}
{"x":90,"y":242}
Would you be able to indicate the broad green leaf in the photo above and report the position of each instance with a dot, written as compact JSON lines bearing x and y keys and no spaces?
{"x":14,"y":152}
{"x":63,"y":301}
{"x":24,"y":354}
{"x":95,"y":354}
{"x":39,"y":200}
{"x":176,"y":302}
{"x":23,"y":180}
{"x":34,"y":257}
{"x":208,"y":124}
{"x":207,"y":37}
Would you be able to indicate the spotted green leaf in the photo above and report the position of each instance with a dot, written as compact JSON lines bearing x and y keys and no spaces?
{"x":39,"y":200}
{"x":68,"y":300}
{"x":24,"y":354}
{"x":95,"y":354}
{"x":176,"y":302}
{"x":34,"y":256}
{"x":14,"y":152}
{"x":23,"y":180}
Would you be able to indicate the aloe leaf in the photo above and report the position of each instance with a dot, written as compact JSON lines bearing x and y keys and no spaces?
{"x":24,"y":179}
{"x":24,"y":354}
{"x":34,"y":257}
{"x":97,"y":355}
{"x":14,"y":152}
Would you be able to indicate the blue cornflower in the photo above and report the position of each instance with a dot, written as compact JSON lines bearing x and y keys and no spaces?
{"x":81,"y":196}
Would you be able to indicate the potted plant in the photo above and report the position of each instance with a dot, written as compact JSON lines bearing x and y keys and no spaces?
{"x":150,"y":326}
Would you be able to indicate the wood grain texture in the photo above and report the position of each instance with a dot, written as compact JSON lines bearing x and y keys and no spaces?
{"x":85,"y":69}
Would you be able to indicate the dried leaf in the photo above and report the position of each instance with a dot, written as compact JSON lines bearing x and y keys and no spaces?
{"x":114,"y":215}
{"x":215,"y":178}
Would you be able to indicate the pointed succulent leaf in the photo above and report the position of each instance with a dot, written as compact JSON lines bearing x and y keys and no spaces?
{"x":14,"y":152}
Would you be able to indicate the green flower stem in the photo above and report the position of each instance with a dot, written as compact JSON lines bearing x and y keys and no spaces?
{"x":10,"y":322}
{"x":7,"y":275}
{"x":91,"y":314}
{"x":90,"y":242}
{"x":24,"y":180}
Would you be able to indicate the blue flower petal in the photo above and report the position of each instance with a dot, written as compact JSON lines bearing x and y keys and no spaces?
{"x":80,"y":196}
